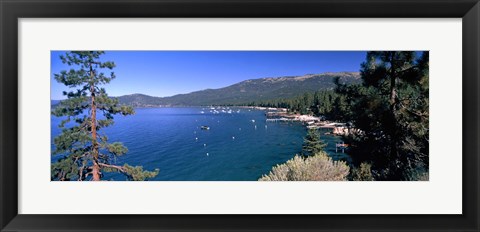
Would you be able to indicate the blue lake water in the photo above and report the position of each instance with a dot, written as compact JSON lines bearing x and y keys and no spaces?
{"x":239,"y":146}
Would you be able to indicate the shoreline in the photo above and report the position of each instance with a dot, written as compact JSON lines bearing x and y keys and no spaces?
{"x":274,"y":114}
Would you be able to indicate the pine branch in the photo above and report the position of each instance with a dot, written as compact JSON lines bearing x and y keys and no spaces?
{"x":119,"y":168}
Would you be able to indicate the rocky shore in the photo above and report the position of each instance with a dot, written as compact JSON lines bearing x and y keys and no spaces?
{"x":310,"y":121}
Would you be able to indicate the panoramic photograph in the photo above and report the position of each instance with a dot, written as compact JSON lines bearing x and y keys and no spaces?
{"x":239,"y":115}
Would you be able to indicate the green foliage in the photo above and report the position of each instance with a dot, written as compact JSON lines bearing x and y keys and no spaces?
{"x":391,"y":110}
{"x":424,"y":176}
{"x":116,"y":148}
{"x":362,"y":173}
{"x":83,"y":151}
{"x":324,"y":103}
{"x":319,"y":167}
{"x":417,"y":175}
{"x":312,"y":143}
{"x":138,"y":174}
{"x":132,"y":173}
{"x":64,"y":169}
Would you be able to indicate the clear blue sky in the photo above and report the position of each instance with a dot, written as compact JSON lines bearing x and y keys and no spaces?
{"x":166,"y":73}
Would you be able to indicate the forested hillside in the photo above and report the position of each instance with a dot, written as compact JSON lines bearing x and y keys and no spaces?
{"x":248,"y":92}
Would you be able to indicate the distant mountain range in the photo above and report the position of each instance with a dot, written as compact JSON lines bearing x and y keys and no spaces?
{"x":254,"y":90}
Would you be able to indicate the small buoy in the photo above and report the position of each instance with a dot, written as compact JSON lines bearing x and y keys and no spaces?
{"x":196,"y":138}
{"x":255,"y":127}
{"x":207,"y":153}
{"x":233,"y":137}
{"x":204,"y":144}
{"x":265,"y":126}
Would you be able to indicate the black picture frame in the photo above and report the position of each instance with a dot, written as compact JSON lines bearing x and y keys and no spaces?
{"x":12,"y":10}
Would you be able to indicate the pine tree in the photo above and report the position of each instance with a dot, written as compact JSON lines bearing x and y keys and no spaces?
{"x":391,"y":110}
{"x":312,"y":143}
{"x":413,"y":118}
{"x":315,"y":108}
{"x":86,"y":154}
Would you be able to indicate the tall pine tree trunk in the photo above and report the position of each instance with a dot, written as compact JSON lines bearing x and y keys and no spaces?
{"x":393,"y":108}
{"x":95,"y":168}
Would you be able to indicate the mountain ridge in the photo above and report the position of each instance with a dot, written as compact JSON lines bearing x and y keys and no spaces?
{"x":247,"y":91}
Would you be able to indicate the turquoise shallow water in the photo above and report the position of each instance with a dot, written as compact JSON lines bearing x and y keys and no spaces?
{"x":240,"y":146}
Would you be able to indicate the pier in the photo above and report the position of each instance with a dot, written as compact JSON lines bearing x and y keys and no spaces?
{"x":277,"y":120}
{"x":340,"y":146}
